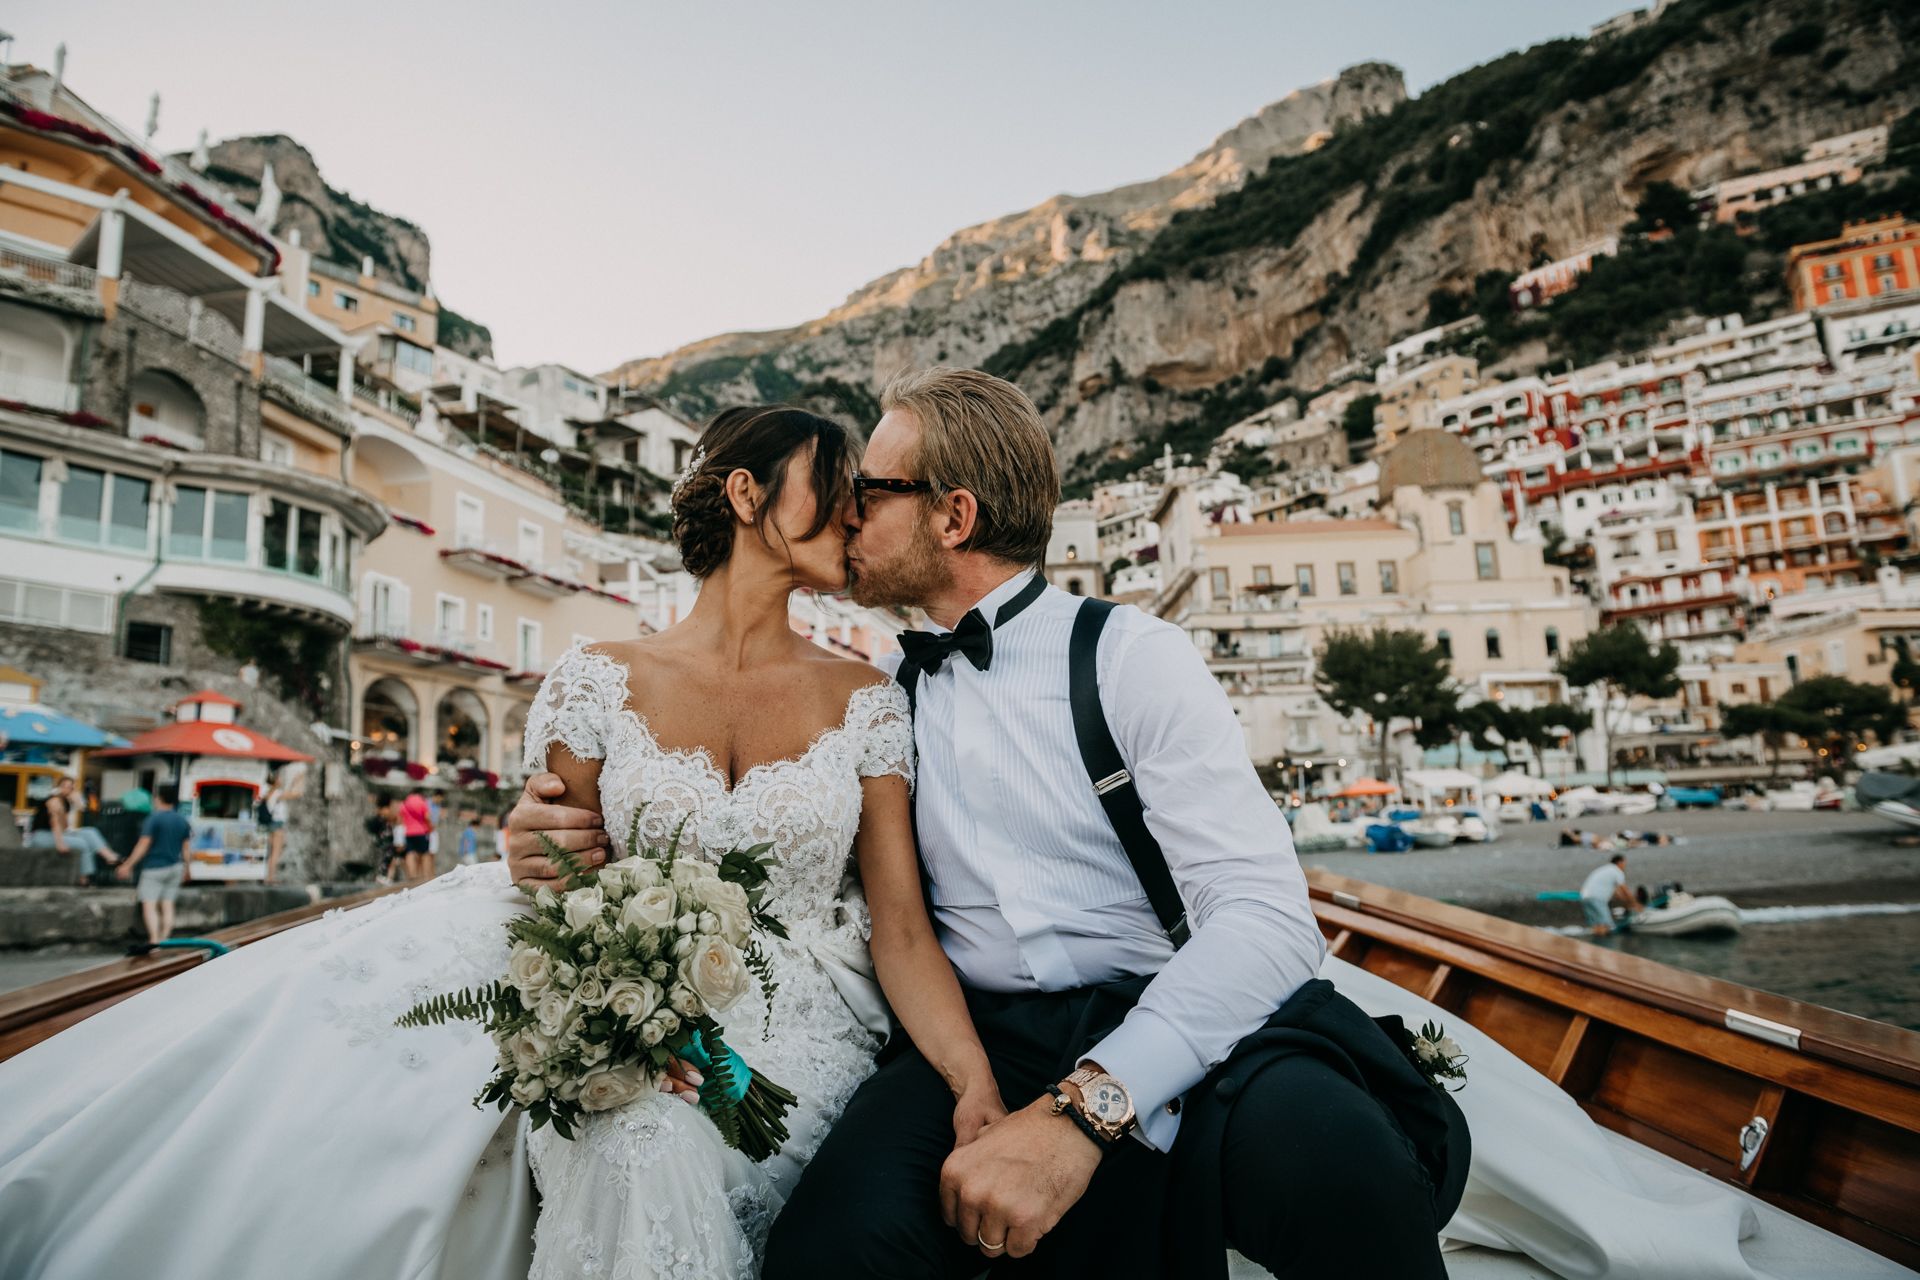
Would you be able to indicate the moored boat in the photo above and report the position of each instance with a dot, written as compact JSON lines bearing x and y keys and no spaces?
{"x":1680,"y":913}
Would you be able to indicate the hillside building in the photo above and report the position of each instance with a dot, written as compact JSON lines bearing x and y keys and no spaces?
{"x":1866,"y":260}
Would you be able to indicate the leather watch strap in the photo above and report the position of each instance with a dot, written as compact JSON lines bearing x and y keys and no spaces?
{"x":1064,"y":1104}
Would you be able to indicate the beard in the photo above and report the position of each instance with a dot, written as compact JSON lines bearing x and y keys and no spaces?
{"x":917,"y":572}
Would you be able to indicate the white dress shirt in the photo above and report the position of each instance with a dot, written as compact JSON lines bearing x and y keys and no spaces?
{"x":1031,"y":887}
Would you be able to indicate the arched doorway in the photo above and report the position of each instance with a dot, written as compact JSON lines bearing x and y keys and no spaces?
{"x":165,"y":407}
{"x":389,"y":720}
{"x":461,"y":735}
{"x":38,"y":357}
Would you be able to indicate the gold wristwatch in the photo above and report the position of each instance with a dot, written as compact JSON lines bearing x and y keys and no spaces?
{"x":1104,"y":1103}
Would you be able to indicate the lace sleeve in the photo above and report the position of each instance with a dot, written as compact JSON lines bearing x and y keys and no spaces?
{"x":880,"y":714}
{"x":579,"y":696}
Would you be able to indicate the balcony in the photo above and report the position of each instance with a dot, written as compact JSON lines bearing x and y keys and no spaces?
{"x":1761,"y":547}
{"x":1877,"y":530}
{"x":482,"y":563}
{"x":289,"y":382}
{"x":1720,"y":553}
{"x":55,"y":394}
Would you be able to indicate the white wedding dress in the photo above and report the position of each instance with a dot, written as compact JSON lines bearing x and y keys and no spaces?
{"x":261,"y":1116}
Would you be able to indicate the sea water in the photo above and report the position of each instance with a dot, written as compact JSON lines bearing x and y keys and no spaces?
{"x":1862,"y":959}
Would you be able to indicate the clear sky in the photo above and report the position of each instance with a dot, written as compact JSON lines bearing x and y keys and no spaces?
{"x":604,"y":180}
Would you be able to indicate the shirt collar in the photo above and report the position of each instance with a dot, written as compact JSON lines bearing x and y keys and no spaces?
{"x":990,"y":603}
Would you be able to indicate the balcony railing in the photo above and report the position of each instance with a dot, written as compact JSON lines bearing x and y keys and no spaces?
{"x":313,"y":396}
{"x":53,"y":271}
{"x":1721,"y":553}
{"x":42,"y":393}
{"x":1761,"y":546}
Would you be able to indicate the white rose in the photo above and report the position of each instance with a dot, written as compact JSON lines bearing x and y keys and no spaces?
{"x":528,"y":1092}
{"x":642,"y":873}
{"x":683,"y":1001}
{"x":546,"y":902}
{"x":530,"y":969}
{"x":709,"y":923}
{"x":614,"y":882}
{"x":717,"y":973}
{"x":591,"y":992}
{"x":658,"y":970}
{"x":634,"y":998}
{"x":687,"y":923}
{"x":568,"y":1090}
{"x":687,"y":873}
{"x":650,"y":908}
{"x":659,"y":1027}
{"x":584,"y":907}
{"x":683,"y":946}
{"x":555,"y":1011}
{"x":565,"y":975}
{"x":613,"y":1087}
{"x":593,"y":1053}
{"x":728,"y":903}
{"x":530,"y":1049}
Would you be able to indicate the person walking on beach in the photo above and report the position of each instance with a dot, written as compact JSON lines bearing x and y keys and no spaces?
{"x":1606,"y":886}
{"x":162,"y":838}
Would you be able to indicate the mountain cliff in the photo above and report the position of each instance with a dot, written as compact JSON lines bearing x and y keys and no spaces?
{"x":1348,"y":215}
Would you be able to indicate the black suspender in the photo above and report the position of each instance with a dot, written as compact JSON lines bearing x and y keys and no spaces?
{"x":1111,"y":781}
{"x":1108,"y":772}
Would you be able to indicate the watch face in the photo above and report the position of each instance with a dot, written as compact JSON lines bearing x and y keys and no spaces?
{"x":1107,"y":1101}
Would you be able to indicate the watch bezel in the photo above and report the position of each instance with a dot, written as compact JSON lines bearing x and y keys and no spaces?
{"x":1083,"y":1079}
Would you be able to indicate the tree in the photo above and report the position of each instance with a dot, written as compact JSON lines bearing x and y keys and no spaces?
{"x":1386,"y":676}
{"x":1618,"y":661}
{"x":1845,"y":711}
{"x":1541,"y":727}
{"x":1358,"y":419}
{"x":1770,"y":722}
{"x":1906,"y":672}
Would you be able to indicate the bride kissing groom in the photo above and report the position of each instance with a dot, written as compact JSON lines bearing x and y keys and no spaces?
{"x":1121,"y":904}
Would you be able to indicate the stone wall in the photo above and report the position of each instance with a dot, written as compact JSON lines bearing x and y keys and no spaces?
{"x":84,"y":678}
{"x":131,"y":344}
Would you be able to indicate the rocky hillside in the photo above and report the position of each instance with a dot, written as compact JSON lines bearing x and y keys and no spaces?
{"x":335,"y":226}
{"x":1279,"y":262}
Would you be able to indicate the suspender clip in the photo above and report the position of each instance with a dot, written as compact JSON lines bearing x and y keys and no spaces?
{"x":1111,"y":781}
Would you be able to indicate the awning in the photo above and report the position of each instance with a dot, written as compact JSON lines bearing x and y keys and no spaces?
{"x":1367,"y":787}
{"x":206,"y":738}
{"x":1517,"y":784}
{"x":33,"y":725}
{"x":1444,"y":780}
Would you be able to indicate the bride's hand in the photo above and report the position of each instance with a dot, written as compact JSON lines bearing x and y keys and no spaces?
{"x":978,"y":1107}
{"x":683,"y":1082}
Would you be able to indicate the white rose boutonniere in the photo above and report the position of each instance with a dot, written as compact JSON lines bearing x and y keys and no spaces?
{"x":717,"y":973}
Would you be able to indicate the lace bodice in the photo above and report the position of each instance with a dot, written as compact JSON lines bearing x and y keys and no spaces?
{"x":809,"y":806}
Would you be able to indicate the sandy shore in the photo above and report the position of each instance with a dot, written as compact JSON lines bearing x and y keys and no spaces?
{"x":1756,"y":859}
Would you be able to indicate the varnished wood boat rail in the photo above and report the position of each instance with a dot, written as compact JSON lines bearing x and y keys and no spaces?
{"x":1828,"y":1034}
{"x":1815,"y":1111}
{"x":35,"y":1013}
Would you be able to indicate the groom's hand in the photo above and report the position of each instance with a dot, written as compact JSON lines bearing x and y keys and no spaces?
{"x":570,"y":828}
{"x":1014,"y":1183}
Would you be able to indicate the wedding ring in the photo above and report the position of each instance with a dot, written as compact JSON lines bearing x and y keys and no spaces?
{"x":990,"y":1248}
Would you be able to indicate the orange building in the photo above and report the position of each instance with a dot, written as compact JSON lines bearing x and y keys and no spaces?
{"x":1866,"y":260}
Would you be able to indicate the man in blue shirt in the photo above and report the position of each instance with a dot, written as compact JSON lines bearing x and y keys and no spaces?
{"x":163,"y":837}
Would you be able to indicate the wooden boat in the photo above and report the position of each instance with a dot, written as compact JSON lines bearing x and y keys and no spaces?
{"x":1814,"y":1111}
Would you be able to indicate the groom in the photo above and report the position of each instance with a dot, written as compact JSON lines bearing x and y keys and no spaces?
{"x":1188,"y":1084}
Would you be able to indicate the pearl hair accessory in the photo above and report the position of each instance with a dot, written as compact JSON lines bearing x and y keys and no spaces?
{"x":693,"y":468}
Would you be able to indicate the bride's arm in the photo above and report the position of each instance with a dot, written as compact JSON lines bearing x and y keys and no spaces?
{"x":914,"y":972}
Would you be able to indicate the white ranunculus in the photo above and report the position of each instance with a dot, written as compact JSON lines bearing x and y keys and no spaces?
{"x":528,"y":1092}
{"x":584,"y":907}
{"x":613,"y":1087}
{"x":530,"y":969}
{"x":591,"y":992}
{"x":683,"y":1000}
{"x":633,"y":998}
{"x":728,"y":903}
{"x":717,"y":973}
{"x":650,"y":908}
{"x":555,"y":1011}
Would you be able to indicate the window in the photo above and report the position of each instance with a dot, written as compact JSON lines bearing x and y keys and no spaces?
{"x":1493,"y":643}
{"x":346,"y":301}
{"x":50,"y":606}
{"x":1303,"y":578}
{"x":483,"y":621}
{"x":530,"y":540}
{"x":469,"y":520}
{"x":1456,"y":519}
{"x":20,"y":492}
{"x":276,"y":532}
{"x":80,"y":504}
{"x":529,"y":652}
{"x":1262,"y":575}
{"x":187,"y":534}
{"x":306,"y":547}
{"x":1737,"y":687}
{"x":1664,"y":541}
{"x":572,"y":385}
{"x":1553,"y":642}
{"x":1389,"y":580}
{"x":313,"y":288}
{"x":1483,"y":561}
{"x":1580,"y":503}
{"x":227,"y":528}
{"x":389,"y":605}
{"x":149,"y":642}
{"x":450,"y":615}
{"x":404,"y":322}
{"x":1445,"y":644}
{"x":417,"y":359}
{"x":1219,"y":584}
{"x":1074,"y":587}
{"x":1344,"y":572}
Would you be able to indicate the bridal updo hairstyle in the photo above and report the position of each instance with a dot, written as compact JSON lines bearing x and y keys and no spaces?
{"x":761,"y":440}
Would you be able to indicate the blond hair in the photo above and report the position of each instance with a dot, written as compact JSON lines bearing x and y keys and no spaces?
{"x":982,"y":434}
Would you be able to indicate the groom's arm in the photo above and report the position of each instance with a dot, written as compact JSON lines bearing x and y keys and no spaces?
{"x":1255,"y":940}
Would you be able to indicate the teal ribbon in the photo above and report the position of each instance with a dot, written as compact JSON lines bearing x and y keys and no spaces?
{"x":742,"y":1076}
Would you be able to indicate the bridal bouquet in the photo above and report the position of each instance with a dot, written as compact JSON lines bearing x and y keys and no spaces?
{"x":611,"y":979}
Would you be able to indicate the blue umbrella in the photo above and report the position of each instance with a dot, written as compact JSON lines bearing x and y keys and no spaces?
{"x":32,"y":725}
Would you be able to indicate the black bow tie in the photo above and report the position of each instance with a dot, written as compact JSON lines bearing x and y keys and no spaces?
{"x":929,"y":651}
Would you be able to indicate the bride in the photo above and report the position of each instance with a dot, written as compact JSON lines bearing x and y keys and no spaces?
{"x":263,"y":1116}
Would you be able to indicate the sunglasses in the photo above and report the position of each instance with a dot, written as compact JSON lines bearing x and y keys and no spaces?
{"x":863,"y":483}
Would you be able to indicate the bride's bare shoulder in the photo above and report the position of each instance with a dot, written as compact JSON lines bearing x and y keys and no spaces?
{"x":846,"y":675}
